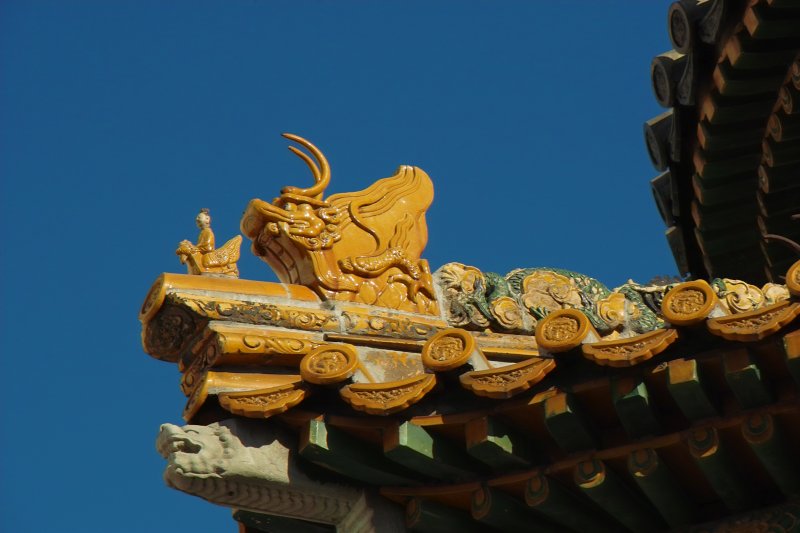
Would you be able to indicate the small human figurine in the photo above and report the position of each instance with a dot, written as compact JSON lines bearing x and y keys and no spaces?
{"x":203,"y":258}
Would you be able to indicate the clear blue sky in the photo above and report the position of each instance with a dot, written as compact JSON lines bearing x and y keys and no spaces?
{"x":120,"y":119}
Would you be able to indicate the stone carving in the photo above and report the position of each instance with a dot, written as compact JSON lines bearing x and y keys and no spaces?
{"x":203,"y":257}
{"x":250,"y":466}
{"x":362,"y":247}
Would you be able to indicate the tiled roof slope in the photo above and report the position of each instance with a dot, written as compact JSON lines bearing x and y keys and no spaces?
{"x":729,"y":145}
{"x":697,"y":420}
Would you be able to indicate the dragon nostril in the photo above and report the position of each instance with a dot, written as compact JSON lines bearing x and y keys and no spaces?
{"x":191,"y":447}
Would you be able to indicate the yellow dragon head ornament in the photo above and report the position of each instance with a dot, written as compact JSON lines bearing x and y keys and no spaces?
{"x":360,"y":247}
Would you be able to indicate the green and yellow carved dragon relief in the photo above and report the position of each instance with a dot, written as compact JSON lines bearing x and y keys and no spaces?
{"x":514,"y":303}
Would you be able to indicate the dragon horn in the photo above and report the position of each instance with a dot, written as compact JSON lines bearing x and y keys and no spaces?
{"x":322,"y":174}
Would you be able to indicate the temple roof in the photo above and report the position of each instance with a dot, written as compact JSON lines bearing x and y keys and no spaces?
{"x":729,"y":146}
{"x":539,"y":397}
{"x":464,"y":419}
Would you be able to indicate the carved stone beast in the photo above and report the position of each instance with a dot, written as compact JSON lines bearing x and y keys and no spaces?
{"x":250,"y":466}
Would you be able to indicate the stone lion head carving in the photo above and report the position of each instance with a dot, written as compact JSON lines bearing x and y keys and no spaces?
{"x":247,"y":465}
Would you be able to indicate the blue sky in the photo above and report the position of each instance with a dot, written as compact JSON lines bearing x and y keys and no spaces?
{"x":120,"y":119}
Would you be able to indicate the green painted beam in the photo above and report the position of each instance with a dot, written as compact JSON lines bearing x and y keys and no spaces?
{"x":548,"y":498}
{"x":603,"y":487}
{"x":710,"y":455}
{"x":744,"y":379}
{"x":499,"y":510}
{"x":492,"y":442}
{"x":686,"y":388}
{"x":414,"y":448}
{"x":425,"y":516}
{"x":565,"y":424}
{"x":332,"y":449}
{"x":632,"y":404}
{"x":767,"y":441}
{"x":660,"y":487}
